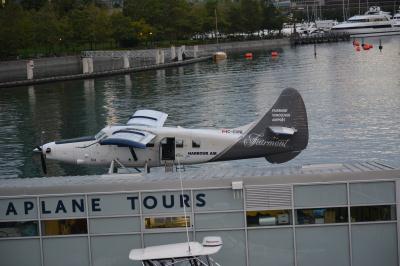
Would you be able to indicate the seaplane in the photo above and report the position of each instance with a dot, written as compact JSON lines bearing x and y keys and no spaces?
{"x":144,"y":142}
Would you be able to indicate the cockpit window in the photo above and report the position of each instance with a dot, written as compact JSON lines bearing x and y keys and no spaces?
{"x":100,"y":135}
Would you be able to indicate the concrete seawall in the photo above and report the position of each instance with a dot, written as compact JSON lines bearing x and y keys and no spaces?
{"x":16,"y":73}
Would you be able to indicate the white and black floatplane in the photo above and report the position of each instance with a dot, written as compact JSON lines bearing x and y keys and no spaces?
{"x":279,"y":136}
{"x":182,"y":254}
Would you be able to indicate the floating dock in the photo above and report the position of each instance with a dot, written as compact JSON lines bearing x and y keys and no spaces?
{"x":320,"y":38}
{"x":336,"y":214}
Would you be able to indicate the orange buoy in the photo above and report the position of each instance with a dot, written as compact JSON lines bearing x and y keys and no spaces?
{"x":356,"y":43}
{"x":248,"y":55}
{"x":358,"y":48}
{"x":366,"y":46}
{"x":370,"y":46}
{"x":274,"y":53}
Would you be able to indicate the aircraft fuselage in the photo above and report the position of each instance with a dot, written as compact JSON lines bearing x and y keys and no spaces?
{"x":186,"y":146}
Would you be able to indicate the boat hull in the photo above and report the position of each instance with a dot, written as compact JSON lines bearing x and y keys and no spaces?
{"x":367,"y":32}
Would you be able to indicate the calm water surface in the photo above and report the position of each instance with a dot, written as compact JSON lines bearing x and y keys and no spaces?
{"x":352,"y":99}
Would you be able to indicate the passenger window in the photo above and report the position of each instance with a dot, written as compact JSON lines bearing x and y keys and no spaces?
{"x":195,"y":143}
{"x":179,"y":143}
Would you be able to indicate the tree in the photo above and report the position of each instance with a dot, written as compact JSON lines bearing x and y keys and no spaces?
{"x":234,"y":17}
{"x":148,"y":10}
{"x":90,"y":25}
{"x":63,"y":7}
{"x":32,"y":4}
{"x":272,"y":19}
{"x":15,"y":30}
{"x":251,"y":15}
{"x":47,"y":28}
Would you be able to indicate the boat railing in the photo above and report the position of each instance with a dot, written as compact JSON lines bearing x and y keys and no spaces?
{"x":206,"y":261}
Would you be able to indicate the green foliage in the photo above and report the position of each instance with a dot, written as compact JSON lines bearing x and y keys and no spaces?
{"x":272,"y":17}
{"x":51,"y":27}
{"x":15,"y":29}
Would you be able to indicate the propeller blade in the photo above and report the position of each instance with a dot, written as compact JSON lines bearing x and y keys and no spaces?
{"x":43,"y":159}
{"x":39,"y":149}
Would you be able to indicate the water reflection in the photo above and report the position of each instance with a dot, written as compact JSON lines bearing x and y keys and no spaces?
{"x":353,"y":103}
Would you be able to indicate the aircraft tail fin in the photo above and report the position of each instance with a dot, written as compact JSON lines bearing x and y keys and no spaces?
{"x":286,"y":125}
{"x":280,"y":135}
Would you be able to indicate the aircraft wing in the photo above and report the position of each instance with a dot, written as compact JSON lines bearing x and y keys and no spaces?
{"x":148,"y":118}
{"x":130,"y":138}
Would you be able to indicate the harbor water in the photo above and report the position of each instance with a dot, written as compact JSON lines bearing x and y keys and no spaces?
{"x":352,"y":100}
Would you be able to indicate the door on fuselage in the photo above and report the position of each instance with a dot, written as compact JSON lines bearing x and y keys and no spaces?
{"x":168,"y":149}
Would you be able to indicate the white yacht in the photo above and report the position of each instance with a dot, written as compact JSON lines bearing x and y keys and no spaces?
{"x":396,"y":18}
{"x":373,"y":23}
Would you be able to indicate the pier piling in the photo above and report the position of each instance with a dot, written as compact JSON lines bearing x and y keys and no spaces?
{"x":126,"y":61}
{"x":29,"y":69}
{"x":87,"y":65}
{"x":180,"y":52}
{"x":173,"y":52}
{"x":162,"y":56}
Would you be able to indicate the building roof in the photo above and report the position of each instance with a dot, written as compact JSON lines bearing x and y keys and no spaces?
{"x":200,"y":178}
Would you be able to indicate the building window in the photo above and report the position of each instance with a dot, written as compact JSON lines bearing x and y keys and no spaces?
{"x":179,"y":143}
{"x":64,"y":227}
{"x":195,"y":143}
{"x":322,"y":215}
{"x":18,"y":229}
{"x":373,"y":213}
{"x":268,"y":218}
{"x":166,"y":222}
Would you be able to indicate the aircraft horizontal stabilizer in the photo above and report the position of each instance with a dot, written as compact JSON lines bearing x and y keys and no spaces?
{"x":130,"y":138}
{"x":283,"y":130}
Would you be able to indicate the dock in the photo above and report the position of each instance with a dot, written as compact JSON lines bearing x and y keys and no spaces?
{"x":319,"y":38}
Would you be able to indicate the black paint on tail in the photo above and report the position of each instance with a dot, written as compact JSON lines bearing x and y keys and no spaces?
{"x":279,"y":136}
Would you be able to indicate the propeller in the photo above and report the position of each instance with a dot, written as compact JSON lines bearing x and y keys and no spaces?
{"x":39,"y":149}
